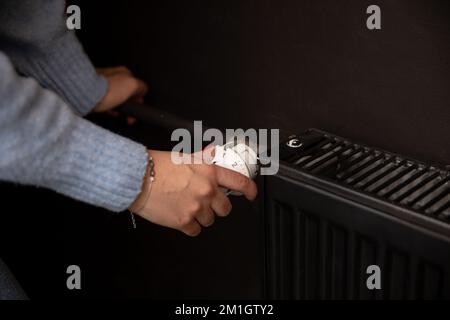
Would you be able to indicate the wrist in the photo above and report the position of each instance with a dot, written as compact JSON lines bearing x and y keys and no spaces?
{"x":138,"y":205}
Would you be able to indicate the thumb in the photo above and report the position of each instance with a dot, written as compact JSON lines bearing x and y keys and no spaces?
{"x":206,"y":155}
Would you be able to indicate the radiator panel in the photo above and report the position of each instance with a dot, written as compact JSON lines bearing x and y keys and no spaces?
{"x":319,"y":244}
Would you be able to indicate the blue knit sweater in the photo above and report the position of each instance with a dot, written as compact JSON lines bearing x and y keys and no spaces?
{"x":47,"y":84}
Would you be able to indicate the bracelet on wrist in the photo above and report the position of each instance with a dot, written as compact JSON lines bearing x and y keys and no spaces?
{"x":146,"y":189}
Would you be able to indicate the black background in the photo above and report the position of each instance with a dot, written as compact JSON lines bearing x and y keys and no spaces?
{"x":284,"y":64}
{"x":290,"y":64}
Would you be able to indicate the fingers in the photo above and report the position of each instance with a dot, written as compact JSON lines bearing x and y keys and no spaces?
{"x":206,"y":217}
{"x":123,"y":70}
{"x":192,"y":226}
{"x":136,"y":89}
{"x":107,"y":72}
{"x":204,"y":156}
{"x":208,"y":153}
{"x":141,"y":90}
{"x":192,"y":229}
{"x":221,"y":205}
{"x":122,"y":87}
{"x":237,"y":182}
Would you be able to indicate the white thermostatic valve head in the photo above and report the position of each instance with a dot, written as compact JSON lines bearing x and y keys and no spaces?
{"x":239,"y":156}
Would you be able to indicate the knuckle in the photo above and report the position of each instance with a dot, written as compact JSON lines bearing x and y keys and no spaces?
{"x":207,"y":190}
{"x":185,"y":221}
{"x":195,"y":208}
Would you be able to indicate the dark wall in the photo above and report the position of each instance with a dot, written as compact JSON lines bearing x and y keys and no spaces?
{"x":285,"y":64}
{"x":290,"y":64}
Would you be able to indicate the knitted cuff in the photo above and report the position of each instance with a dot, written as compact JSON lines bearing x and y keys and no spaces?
{"x":98,"y":167}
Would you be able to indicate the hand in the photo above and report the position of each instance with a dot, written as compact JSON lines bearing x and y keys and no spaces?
{"x":122,"y":87}
{"x":186,"y":197}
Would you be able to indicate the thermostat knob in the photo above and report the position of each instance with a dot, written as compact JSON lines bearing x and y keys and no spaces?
{"x":239,"y":157}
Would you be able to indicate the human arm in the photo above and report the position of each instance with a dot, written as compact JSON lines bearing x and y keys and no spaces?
{"x":34,"y":35}
{"x":43,"y":143}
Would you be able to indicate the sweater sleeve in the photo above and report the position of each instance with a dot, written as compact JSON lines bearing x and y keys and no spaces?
{"x":43,"y":143}
{"x":34,"y":35}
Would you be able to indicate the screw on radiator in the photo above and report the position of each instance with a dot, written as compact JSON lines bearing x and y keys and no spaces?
{"x":294,"y":143}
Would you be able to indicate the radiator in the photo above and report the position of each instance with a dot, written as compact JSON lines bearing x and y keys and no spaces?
{"x":337,"y":207}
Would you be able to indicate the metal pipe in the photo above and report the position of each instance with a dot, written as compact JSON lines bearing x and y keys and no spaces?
{"x":156,"y":116}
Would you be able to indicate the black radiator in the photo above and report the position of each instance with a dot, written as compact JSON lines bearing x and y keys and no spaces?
{"x":337,"y":207}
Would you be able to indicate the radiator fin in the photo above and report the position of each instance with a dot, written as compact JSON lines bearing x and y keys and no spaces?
{"x":337,"y":207}
{"x":395,"y":179}
{"x":312,"y":258}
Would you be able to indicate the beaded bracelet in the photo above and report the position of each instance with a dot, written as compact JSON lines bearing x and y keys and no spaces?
{"x":150,"y":174}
